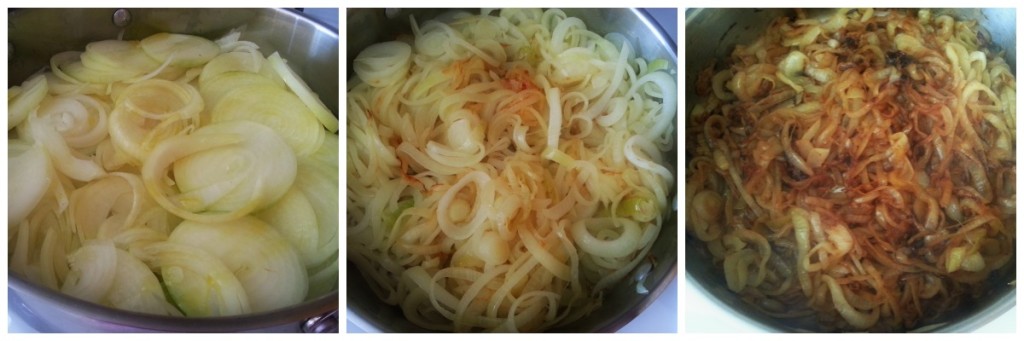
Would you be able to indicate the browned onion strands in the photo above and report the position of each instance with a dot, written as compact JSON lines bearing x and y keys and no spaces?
{"x":860,"y":168}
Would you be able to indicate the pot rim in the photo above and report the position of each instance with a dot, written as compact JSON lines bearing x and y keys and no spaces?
{"x":75,"y":306}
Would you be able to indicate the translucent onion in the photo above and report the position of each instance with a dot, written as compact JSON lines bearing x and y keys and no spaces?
{"x":275,"y":108}
{"x":317,"y":179}
{"x":383,"y":63}
{"x":125,"y":59}
{"x":21,"y":100}
{"x":264,"y":262}
{"x":479,"y":146}
{"x":302,"y":90}
{"x":108,"y":205}
{"x":151,"y":111}
{"x":28,"y":175}
{"x":482,"y":203}
{"x":199,"y":283}
{"x":93,"y":270}
{"x":136,"y":288}
{"x":294,"y":218}
{"x":221,"y":84}
{"x":47,"y":131}
{"x":248,"y":62}
{"x":626,"y":241}
{"x":254,"y":167}
{"x":183,"y":50}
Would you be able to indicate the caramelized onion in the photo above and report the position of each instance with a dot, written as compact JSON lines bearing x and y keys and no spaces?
{"x":872,"y":152}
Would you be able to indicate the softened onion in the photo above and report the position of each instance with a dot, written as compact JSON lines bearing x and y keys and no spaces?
{"x":505,"y":171}
{"x":384,"y":63}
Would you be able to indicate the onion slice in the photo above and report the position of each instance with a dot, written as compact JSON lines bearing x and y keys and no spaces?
{"x":302,"y":90}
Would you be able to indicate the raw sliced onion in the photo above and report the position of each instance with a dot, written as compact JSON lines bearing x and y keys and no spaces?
{"x":221,"y":172}
{"x":93,"y":268}
{"x":217,"y":86}
{"x":231,"y":62}
{"x":24,"y":99}
{"x":28,"y":170}
{"x":263,"y":261}
{"x":136,"y":288}
{"x":184,"y":50}
{"x":198,"y":282}
{"x":151,"y":111}
{"x":274,"y":108}
{"x":302,"y":90}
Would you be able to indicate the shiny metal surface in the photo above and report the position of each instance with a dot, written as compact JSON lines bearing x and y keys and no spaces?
{"x":711,"y":35}
{"x":622,"y":304}
{"x":309,"y":47}
{"x":50,"y":311}
{"x":326,"y":323}
{"x":122,"y":17}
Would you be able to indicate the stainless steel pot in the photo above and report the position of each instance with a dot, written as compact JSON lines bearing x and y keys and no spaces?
{"x":621,"y":303}
{"x":310,"y":47}
{"x":712,"y":34}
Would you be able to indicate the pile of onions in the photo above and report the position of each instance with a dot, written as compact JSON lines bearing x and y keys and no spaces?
{"x":505,"y":168}
{"x":173,"y":175}
{"x":858,"y":169}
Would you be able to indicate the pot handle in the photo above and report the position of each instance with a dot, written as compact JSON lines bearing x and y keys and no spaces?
{"x":326,"y":323}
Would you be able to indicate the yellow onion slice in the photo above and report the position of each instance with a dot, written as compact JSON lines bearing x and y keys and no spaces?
{"x":221,"y":172}
{"x":62,"y":124}
{"x":107,"y":206}
{"x":136,"y":288}
{"x":263,"y":261}
{"x":150,"y":111}
{"x":214,"y":88}
{"x":28,"y":174}
{"x":198,"y":282}
{"x":92,"y":271}
{"x":21,"y":100}
{"x":184,"y":50}
{"x":275,"y":108}
{"x":302,"y":90}
{"x":240,"y":61}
